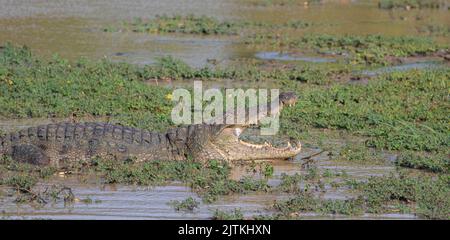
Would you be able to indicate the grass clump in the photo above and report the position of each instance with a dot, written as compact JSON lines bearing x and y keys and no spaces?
{"x":390,"y":4}
{"x":438,"y":163}
{"x":201,"y":25}
{"x":425,"y":196}
{"x":22,"y":183}
{"x":306,"y":202}
{"x":370,"y":49}
{"x":235,"y":214}
{"x":189,"y":204}
{"x":290,"y":183}
{"x":185,"y":24}
{"x":428,"y":195}
{"x":267,"y":3}
{"x":435,"y":30}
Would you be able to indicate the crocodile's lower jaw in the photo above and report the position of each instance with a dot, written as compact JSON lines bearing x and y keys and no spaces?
{"x":229,"y":147}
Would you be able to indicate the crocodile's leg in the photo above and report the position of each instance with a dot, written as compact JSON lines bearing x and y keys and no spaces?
{"x":27,"y":153}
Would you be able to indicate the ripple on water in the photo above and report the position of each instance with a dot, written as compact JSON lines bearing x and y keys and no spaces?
{"x":287,"y":57}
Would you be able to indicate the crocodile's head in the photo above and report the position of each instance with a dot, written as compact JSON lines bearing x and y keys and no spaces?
{"x":222,"y":142}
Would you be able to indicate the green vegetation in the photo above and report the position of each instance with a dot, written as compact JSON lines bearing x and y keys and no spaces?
{"x":399,"y":111}
{"x":355,"y":152}
{"x":210,"y":181}
{"x":236,"y":214}
{"x":429,"y":195}
{"x":189,"y":204}
{"x":22,"y":179}
{"x":367,"y":50}
{"x":290,"y":183}
{"x":436,"y":30}
{"x":433,"y":162}
{"x":32,"y":88}
{"x":370,"y":49}
{"x":189,"y":24}
{"x":268,"y":3}
{"x":305,"y":202}
{"x":389,"y":4}
{"x":203,"y":25}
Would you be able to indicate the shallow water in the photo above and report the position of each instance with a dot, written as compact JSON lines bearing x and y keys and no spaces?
{"x":131,"y":202}
{"x":288,"y":57}
{"x":404,"y":67}
{"x":73,"y":29}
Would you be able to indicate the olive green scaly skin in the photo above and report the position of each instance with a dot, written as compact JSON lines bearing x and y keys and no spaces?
{"x":63,"y":143}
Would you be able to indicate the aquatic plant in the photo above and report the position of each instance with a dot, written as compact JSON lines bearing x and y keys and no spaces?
{"x":189,"y":204}
{"x":439,"y":163}
{"x":202,"y":25}
{"x":235,"y":214}
{"x":431,"y":195}
{"x":389,"y":4}
{"x":184,"y":24}
{"x":369,"y":49}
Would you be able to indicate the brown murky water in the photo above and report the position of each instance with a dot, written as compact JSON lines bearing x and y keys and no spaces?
{"x":131,"y":202}
{"x":73,"y":29}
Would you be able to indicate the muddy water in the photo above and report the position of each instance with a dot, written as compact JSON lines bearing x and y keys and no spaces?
{"x":131,"y":202}
{"x":288,"y":57}
{"x":404,"y":67}
{"x":74,"y":28}
{"x":137,"y":202}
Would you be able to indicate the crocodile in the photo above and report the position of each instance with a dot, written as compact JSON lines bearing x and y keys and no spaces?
{"x":61,"y":144}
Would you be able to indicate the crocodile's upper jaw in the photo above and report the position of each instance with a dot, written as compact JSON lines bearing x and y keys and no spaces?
{"x":227,"y":146}
{"x":225,"y":143}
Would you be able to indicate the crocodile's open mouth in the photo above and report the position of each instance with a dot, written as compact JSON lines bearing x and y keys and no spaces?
{"x":232,"y":148}
{"x":227,"y":145}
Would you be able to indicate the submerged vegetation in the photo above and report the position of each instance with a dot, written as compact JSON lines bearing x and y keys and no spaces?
{"x":407,"y":4}
{"x":189,"y":204}
{"x":426,"y":196}
{"x":370,"y":49}
{"x":189,"y":24}
{"x":203,"y":25}
{"x":355,"y":49}
{"x":235,"y":214}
